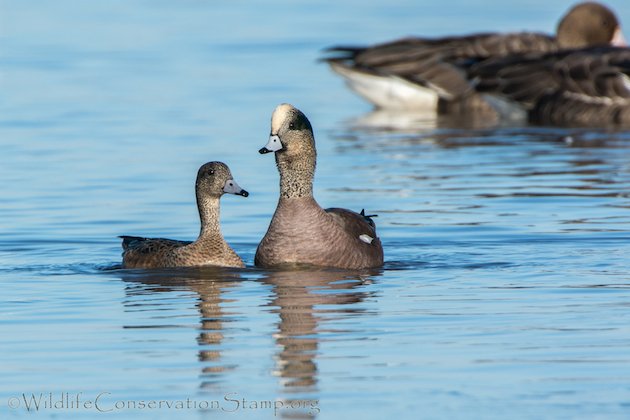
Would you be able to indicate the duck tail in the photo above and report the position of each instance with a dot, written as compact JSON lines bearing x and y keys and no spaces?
{"x":368,"y":217}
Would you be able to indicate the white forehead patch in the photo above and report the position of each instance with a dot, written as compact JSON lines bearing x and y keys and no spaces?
{"x":279,"y":115}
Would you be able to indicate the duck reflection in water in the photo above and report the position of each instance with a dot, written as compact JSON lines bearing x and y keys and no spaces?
{"x":209,"y":283}
{"x":305,"y":300}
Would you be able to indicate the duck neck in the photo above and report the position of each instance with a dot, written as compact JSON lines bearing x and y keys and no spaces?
{"x":296,"y":175}
{"x":209,"y":215}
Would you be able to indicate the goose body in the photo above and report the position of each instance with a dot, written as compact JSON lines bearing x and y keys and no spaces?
{"x":422,"y":74}
{"x":580,"y":87}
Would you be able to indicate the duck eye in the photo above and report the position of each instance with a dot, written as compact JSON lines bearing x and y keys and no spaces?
{"x":291,"y":126}
{"x":211,"y":172}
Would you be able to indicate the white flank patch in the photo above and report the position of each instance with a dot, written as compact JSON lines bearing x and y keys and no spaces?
{"x":366,"y":238}
{"x":279,"y":115}
{"x":389,"y":92}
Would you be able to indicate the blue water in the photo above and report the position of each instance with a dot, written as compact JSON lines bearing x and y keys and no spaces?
{"x":506,"y":288}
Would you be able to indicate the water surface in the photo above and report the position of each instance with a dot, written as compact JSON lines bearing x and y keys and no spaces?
{"x":506,"y":287}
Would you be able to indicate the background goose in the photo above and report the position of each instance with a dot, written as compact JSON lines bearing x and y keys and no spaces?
{"x":581,"y":87}
{"x":422,"y":74}
{"x":210,"y":249}
{"x":301,"y":232}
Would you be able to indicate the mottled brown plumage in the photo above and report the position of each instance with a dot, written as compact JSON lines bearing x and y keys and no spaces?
{"x":432,"y":65}
{"x":301,"y":232}
{"x":210,"y":249}
{"x":578,"y":87}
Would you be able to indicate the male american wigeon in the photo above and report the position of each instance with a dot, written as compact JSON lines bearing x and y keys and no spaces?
{"x":302,"y":232}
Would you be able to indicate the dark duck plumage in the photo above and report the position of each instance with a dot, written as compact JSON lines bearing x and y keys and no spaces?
{"x":580,"y":87}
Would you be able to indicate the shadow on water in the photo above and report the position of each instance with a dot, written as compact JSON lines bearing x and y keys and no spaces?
{"x":403,"y":129}
{"x":404,"y":121}
{"x":303,"y":300}
{"x":448,"y":131}
{"x":401,"y":121}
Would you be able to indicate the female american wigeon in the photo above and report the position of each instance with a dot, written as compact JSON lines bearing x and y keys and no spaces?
{"x":301,"y":232}
{"x":422,"y":74}
{"x":210,"y":249}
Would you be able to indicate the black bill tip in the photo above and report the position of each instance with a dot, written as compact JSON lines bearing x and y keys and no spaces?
{"x":264,"y":150}
{"x":243,"y":193}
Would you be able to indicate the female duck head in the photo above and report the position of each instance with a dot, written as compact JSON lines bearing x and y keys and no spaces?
{"x":214,"y":179}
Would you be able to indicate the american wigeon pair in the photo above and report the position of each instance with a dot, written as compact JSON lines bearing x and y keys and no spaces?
{"x":436,"y":75}
{"x":300,"y":232}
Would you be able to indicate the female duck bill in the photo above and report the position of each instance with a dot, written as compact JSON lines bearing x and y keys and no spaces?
{"x":231,"y":187}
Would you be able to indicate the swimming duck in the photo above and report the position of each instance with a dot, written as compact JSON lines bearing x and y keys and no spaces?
{"x":302,"y":232}
{"x":210,"y":249}
{"x":579,"y":87}
{"x":422,"y":74}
